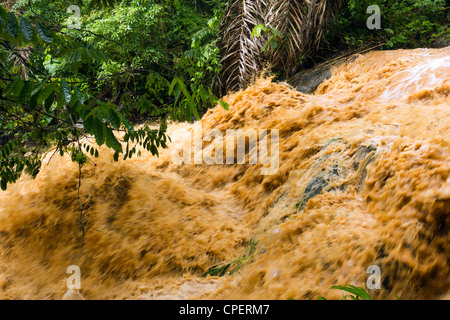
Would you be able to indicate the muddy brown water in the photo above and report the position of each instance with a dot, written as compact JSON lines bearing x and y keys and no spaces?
{"x":363,"y":179}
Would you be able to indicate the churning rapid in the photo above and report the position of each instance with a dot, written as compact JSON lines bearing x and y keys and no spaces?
{"x":363,"y":179}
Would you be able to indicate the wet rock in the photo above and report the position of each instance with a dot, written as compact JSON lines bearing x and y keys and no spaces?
{"x":441,"y":41}
{"x":361,"y":154}
{"x":307,"y":81}
{"x":319,"y":184}
{"x":314,"y":188}
{"x":362,"y":158}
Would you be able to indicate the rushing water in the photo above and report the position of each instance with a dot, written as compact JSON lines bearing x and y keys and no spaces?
{"x":363,"y":179}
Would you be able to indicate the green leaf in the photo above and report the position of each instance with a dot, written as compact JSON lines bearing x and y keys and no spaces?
{"x":26,"y":90}
{"x":203,"y":94}
{"x":145,"y":105}
{"x":78,"y":94}
{"x":154,"y":150}
{"x":39,"y":86}
{"x":357,"y":291}
{"x":258,"y":29}
{"x":27,"y":29}
{"x":11,"y":25}
{"x":114,"y":118}
{"x":212,"y":98}
{"x":102,"y":111}
{"x":99,"y":131}
{"x":32,"y":103}
{"x":193,"y":108}
{"x":188,"y":113}
{"x":224,"y":105}
{"x":44,"y":94}
{"x":172,"y":85}
{"x":65,"y":91}
{"x":177,"y":92}
{"x":111,"y":141}
{"x":274,"y":44}
{"x":61,"y":101}
{"x":3,"y":13}
{"x":44,"y":33}
{"x":49,"y":101}
{"x":276,"y":32}
{"x":15,"y":87}
{"x":88,"y":124}
{"x":128,"y":125}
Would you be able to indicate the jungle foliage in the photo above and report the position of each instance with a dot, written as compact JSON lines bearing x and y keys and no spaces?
{"x":127,"y":59}
{"x":404,"y":24}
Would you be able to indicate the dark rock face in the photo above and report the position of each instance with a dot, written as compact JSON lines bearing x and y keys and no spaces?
{"x":362,"y":158}
{"x":441,"y":41}
{"x":361,"y":153}
{"x":307,"y":81}
{"x":323,"y":182}
{"x":314,"y":188}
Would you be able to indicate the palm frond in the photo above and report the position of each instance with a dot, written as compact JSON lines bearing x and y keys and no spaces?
{"x":240,"y":51}
{"x":300,"y":22}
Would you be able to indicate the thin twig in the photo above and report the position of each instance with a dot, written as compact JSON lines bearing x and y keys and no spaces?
{"x":89,"y":227}
{"x":81,"y":207}
{"x":56,"y":150}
